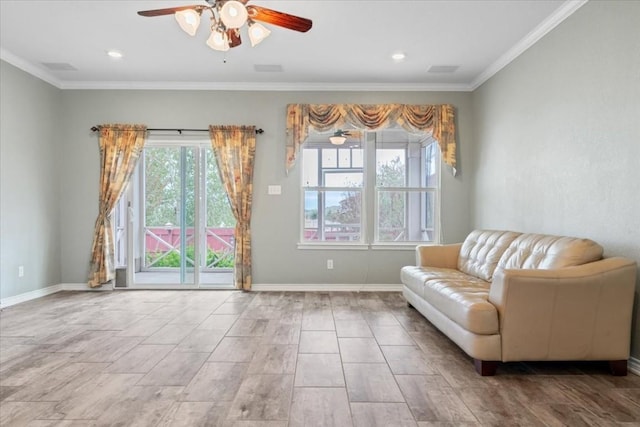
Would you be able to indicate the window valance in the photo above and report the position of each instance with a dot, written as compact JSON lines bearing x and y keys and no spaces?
{"x":435,"y":120}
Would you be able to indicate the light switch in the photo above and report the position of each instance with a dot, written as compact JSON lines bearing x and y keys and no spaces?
{"x":274,"y":190}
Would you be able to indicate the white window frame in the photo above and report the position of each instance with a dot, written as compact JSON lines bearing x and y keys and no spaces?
{"x":352,"y":245}
{"x":370,"y":191}
{"x":435,"y":190}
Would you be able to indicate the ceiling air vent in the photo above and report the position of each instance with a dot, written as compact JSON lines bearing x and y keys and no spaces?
{"x":443,"y":69}
{"x":268,"y":68}
{"x":59,"y":66}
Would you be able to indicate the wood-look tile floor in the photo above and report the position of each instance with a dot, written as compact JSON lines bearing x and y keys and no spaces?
{"x":228,"y":358}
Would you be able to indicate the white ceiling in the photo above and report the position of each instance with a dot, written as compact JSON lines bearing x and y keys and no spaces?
{"x":348,"y":48}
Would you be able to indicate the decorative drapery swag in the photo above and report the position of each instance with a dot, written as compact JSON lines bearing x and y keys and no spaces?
{"x":435,"y":120}
{"x":120,"y":147}
{"x":235,"y":148}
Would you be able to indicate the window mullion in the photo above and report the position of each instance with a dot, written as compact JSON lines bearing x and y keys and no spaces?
{"x":370,"y":211}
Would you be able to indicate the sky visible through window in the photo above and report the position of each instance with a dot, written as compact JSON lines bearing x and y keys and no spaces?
{"x":333,"y":198}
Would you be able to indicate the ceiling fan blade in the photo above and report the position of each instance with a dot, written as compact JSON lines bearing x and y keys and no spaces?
{"x":233,"y":35}
{"x":348,"y":133}
{"x":280,"y":19}
{"x":169,"y":11}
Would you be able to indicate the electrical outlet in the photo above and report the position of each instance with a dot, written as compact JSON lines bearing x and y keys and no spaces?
{"x":329,"y":264}
{"x":21,"y":271}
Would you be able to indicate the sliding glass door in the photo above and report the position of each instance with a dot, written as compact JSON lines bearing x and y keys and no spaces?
{"x":182,"y":228}
{"x":169,"y":214}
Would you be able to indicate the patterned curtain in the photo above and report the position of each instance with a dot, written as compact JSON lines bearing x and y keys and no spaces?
{"x":435,"y":120}
{"x":120,"y":147}
{"x":235,"y":149}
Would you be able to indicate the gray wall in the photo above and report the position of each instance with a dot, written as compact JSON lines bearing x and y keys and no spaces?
{"x":275,"y":221}
{"x":29,"y":192}
{"x":557,"y":135}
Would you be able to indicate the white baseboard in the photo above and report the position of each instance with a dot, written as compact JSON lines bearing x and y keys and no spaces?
{"x":334,"y":287}
{"x":28,"y":296}
{"x":327,"y":287}
{"x":634,"y":365}
{"x":85,"y":287}
{"x":39,"y":293}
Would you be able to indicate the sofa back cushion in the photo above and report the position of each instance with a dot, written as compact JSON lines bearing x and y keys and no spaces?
{"x":540,"y":251}
{"x":481,"y":251}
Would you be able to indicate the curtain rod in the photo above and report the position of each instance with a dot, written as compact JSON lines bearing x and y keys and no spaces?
{"x":97,"y":128}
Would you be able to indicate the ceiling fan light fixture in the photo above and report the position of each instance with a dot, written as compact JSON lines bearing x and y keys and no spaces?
{"x":233,"y":14}
{"x":218,"y":41}
{"x":189,"y":20}
{"x":337,"y":140}
{"x":227,"y":18}
{"x":257,"y":32}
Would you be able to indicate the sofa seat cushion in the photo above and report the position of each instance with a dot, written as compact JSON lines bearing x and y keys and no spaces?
{"x":459,"y":296}
{"x":415,"y":277}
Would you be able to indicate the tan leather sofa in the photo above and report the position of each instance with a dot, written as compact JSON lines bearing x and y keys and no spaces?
{"x":508,"y":296}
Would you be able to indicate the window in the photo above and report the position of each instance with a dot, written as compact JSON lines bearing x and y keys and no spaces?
{"x":403,"y":189}
{"x":406,"y":191}
{"x":333,"y":184}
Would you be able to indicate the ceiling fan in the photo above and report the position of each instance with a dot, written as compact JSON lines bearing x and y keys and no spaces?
{"x":227,"y":16}
{"x":340,"y":136}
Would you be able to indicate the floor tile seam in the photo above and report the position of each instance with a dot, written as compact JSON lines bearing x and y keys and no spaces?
{"x":395,"y":380}
{"x":319,"y":352}
{"x":169,"y":385}
{"x":381,"y":401}
{"x":268,"y":374}
{"x":459,"y":390}
{"x":366,"y":363}
{"x":405,"y":331}
{"x":337,"y":388}
{"x":341,"y":359}
{"x":320,"y":386}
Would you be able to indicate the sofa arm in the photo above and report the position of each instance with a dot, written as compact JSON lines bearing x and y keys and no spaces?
{"x":574,"y":313}
{"x":440,"y":256}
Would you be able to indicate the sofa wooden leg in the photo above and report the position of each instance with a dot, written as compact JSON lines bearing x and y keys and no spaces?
{"x":618,"y":367}
{"x":486,"y":368}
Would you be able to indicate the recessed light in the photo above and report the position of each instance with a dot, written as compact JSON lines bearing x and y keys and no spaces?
{"x":115,"y":54}
{"x":398,"y":56}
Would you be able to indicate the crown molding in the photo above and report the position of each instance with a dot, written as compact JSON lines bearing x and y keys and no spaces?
{"x":271,"y":86}
{"x":29,"y":68}
{"x":562,"y":13}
